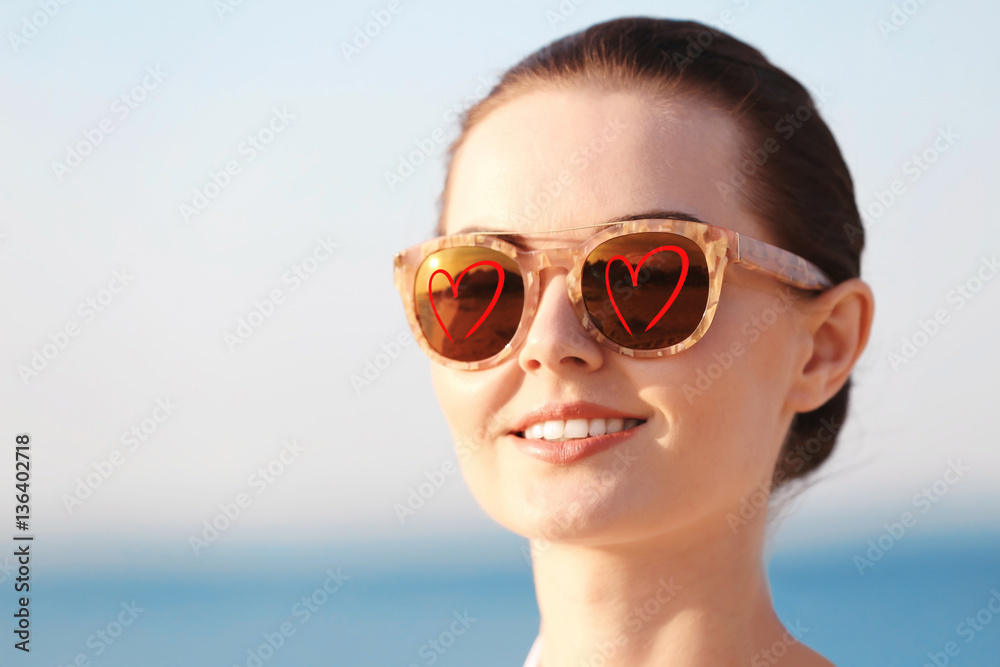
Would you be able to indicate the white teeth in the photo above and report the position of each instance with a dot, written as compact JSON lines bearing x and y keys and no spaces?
{"x":598,"y":426}
{"x":576,"y":428}
{"x":572,"y":429}
{"x":553,"y":430}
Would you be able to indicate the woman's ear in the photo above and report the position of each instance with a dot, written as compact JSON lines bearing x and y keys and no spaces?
{"x":836,"y":325}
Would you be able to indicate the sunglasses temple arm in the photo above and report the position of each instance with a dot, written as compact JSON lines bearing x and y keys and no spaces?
{"x":778,"y":263}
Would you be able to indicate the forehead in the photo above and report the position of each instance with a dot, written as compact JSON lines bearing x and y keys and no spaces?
{"x":571,"y":235}
{"x":554,"y":159}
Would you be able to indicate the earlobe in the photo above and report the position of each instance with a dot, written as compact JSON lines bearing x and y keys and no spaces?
{"x":837,"y":324}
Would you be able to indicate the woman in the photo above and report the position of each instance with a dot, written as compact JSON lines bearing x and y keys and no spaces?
{"x":612,"y":398}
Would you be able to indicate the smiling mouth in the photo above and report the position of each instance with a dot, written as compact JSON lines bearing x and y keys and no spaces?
{"x":560,"y":430}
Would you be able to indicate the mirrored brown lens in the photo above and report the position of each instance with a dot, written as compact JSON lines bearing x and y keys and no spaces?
{"x":646,"y":291}
{"x":469,"y":301}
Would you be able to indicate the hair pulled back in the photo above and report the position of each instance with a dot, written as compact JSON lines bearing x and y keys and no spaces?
{"x":790,"y":173}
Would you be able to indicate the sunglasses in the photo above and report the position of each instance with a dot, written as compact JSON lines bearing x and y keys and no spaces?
{"x":644,"y":288}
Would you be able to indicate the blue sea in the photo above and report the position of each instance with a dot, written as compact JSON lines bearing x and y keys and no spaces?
{"x":355,"y":606}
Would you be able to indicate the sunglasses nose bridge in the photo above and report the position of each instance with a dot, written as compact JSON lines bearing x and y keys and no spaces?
{"x":550,"y":258}
{"x":534,"y":262}
{"x":553,"y":258}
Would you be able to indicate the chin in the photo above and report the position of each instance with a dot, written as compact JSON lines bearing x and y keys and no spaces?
{"x":559,"y":512}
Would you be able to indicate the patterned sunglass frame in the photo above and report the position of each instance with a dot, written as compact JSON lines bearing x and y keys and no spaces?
{"x":720,"y":245}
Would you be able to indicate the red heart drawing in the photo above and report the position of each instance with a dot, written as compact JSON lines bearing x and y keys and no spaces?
{"x":635,"y":281}
{"x":454,"y":293}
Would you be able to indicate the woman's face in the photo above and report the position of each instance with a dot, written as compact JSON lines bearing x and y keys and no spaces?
{"x":714,"y":415}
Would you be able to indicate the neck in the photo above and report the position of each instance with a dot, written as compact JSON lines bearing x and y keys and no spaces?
{"x":695,"y":596}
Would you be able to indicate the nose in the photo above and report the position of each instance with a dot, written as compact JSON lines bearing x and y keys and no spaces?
{"x":556,"y":338}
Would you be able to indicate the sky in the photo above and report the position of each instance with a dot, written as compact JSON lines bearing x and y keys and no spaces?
{"x":197,"y":228}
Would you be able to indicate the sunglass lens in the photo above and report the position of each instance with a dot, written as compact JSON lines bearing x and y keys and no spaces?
{"x":646,"y":291}
{"x":469,"y":301}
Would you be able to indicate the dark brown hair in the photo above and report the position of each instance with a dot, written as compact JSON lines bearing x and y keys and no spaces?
{"x":790,"y":173}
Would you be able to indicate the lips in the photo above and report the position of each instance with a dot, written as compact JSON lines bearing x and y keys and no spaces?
{"x":562,"y":452}
{"x":569,"y":412}
{"x":559,"y":430}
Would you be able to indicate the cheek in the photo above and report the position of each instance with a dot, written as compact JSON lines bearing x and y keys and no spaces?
{"x":722,"y":401}
{"x":469,"y":401}
{"x":461,"y":403}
